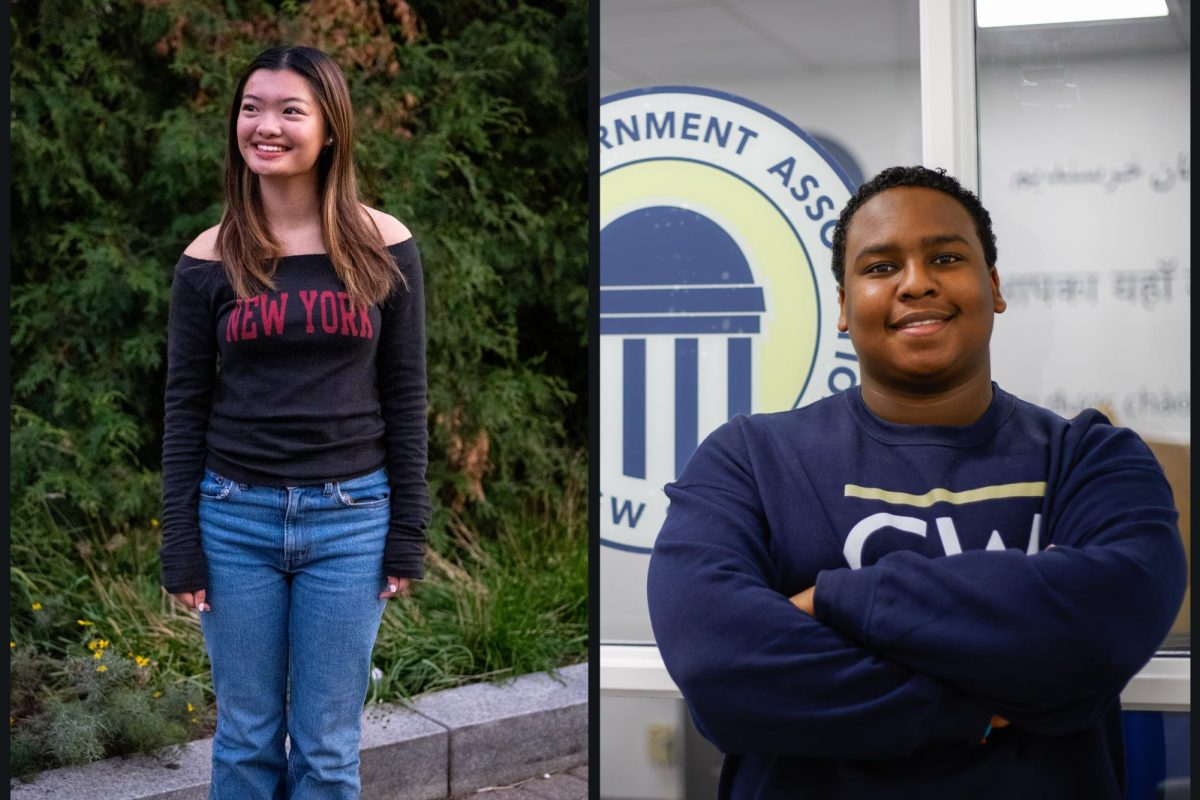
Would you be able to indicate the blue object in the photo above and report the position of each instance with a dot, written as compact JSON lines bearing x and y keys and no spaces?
{"x":1157,"y":754}
{"x":294,"y":581}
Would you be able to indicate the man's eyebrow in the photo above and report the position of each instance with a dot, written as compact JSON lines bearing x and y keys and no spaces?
{"x":927,"y":242}
{"x":284,"y":100}
{"x":943,"y":238}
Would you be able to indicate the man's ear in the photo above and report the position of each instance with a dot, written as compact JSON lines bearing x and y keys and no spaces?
{"x":998,"y":303}
{"x":841,"y":325}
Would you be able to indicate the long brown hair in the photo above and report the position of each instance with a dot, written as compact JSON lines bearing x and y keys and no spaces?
{"x":359,"y":255}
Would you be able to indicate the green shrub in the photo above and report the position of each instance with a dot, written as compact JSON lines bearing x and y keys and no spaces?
{"x":137,"y":724}
{"x":471,"y":129}
{"x":24,"y":754}
{"x":72,"y":732}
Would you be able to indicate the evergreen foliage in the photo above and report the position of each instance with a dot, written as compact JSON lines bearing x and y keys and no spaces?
{"x":471,"y":130}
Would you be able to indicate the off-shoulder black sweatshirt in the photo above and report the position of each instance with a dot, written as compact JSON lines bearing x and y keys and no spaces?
{"x":291,"y":387}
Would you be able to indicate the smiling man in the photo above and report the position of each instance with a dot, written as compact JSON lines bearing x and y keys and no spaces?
{"x":922,"y":587}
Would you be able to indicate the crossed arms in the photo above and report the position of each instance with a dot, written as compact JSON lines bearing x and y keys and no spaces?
{"x":913,"y":650}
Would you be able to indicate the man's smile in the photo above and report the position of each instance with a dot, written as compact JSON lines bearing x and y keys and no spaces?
{"x":922,"y":323}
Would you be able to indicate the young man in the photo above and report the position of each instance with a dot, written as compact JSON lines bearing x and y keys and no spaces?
{"x":922,"y":587}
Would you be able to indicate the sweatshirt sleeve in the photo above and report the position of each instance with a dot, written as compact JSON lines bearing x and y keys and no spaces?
{"x":402,"y":399}
{"x":1049,"y":640}
{"x":187,"y":402}
{"x":758,"y":674}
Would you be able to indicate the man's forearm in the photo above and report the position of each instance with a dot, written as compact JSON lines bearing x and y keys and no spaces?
{"x":806,"y":600}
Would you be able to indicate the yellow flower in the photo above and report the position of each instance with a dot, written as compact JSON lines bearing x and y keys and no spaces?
{"x":36,"y":606}
{"x":84,"y":622}
{"x":153,"y":523}
{"x":141,"y":660}
{"x":156,"y":695}
{"x":190,"y":709}
{"x":93,"y":644}
{"x":11,"y":645}
{"x":98,"y":654}
{"x":103,"y":643}
{"x":101,"y":668}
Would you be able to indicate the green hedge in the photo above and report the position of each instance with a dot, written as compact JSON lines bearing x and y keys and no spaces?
{"x":471,"y":130}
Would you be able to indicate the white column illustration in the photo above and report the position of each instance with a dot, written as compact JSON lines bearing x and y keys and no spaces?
{"x":673,"y":273}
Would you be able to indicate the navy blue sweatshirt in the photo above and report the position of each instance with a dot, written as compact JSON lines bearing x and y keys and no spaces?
{"x":309,"y":389}
{"x":939,"y":601}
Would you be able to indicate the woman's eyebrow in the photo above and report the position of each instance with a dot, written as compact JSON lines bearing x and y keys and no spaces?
{"x":284,"y":100}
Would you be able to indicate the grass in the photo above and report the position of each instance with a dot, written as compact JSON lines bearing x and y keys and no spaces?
{"x":496,"y":603}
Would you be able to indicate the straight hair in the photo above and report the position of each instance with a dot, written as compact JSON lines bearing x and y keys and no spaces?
{"x":248,"y":252}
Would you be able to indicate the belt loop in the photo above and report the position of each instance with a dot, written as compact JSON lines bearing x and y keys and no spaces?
{"x":328,"y":488}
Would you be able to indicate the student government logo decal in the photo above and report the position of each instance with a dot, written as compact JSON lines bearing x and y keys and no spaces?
{"x":716,"y":295}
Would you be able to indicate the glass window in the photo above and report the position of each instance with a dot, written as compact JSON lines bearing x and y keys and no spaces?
{"x":1085,"y":166}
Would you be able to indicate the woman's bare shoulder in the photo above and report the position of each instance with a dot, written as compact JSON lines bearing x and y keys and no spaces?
{"x":391,"y":229}
{"x":204,"y":246}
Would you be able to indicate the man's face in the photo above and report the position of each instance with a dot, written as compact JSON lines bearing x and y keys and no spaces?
{"x":918,"y":299}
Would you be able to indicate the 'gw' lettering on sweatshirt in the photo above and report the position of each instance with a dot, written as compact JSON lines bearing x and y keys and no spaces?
{"x":334,"y":312}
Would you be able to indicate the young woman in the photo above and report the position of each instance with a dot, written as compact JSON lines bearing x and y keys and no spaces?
{"x":294,"y":452}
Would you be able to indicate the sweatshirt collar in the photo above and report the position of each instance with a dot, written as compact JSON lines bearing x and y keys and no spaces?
{"x":971,"y":435}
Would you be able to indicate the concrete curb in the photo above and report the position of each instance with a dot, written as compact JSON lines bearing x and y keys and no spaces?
{"x":443,"y":744}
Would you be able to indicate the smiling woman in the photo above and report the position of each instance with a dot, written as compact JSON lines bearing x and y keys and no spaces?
{"x":291,"y":142}
{"x":290,"y":519}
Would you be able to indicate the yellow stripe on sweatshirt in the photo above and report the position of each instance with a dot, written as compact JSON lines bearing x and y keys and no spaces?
{"x":1000,"y":491}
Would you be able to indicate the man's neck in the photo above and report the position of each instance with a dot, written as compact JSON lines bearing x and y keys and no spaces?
{"x":959,"y":405}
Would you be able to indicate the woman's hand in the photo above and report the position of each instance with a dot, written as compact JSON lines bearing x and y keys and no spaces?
{"x":395,"y":586}
{"x":193,"y":600}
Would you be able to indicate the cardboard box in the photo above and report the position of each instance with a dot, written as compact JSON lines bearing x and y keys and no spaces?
{"x":1176,"y":460}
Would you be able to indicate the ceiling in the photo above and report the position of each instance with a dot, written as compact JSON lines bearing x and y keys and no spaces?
{"x":645,"y":42}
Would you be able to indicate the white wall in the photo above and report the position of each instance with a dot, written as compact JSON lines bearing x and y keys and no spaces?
{"x":626,"y":770}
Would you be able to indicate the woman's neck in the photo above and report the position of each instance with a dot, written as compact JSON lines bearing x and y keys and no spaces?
{"x":959,"y":405}
{"x":293,"y":213}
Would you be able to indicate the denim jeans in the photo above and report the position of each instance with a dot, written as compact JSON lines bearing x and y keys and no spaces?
{"x":294,"y":576}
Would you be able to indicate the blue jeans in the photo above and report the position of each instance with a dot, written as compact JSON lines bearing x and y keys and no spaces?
{"x":293,"y":582}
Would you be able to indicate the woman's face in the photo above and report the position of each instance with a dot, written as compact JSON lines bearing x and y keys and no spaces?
{"x":280,"y":129}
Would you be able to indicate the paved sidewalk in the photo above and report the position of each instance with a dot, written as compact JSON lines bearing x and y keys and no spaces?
{"x":571,"y":784}
{"x":443,"y":743}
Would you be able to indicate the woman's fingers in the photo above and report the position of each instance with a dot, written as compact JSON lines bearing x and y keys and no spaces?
{"x":395,"y":586}
{"x":193,"y":600}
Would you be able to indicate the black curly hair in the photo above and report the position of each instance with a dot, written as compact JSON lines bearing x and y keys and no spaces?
{"x":918,"y":176}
